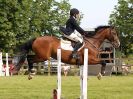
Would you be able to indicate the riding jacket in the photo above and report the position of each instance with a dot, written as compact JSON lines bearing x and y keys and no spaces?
{"x":71,"y":26}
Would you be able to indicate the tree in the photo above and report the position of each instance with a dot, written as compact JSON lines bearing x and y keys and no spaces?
{"x":24,"y":19}
{"x":122,"y":18}
{"x":7,"y":36}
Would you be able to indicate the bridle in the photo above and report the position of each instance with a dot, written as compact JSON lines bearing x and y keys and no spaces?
{"x":110,"y":31}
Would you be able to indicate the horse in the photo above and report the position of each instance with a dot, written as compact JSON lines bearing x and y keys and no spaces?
{"x":45,"y":47}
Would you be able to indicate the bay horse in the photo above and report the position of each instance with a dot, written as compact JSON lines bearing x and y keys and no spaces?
{"x":46,"y":46}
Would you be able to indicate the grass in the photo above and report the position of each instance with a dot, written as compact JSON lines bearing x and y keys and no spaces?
{"x":41,"y":87}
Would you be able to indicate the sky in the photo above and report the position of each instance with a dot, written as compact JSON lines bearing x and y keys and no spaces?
{"x":96,"y":12}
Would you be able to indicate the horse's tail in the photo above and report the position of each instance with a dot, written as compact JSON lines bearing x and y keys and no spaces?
{"x":27,"y":46}
{"x":19,"y":58}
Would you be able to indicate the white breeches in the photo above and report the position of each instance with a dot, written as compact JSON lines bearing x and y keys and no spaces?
{"x":76,"y":36}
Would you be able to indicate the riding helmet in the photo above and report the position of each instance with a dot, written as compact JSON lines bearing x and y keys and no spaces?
{"x":74,"y":11}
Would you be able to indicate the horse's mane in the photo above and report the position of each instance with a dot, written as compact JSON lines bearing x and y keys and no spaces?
{"x":101,"y":27}
{"x":92,"y":33}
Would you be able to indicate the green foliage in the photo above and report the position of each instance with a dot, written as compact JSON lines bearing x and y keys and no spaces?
{"x":122,"y":18}
{"x":24,"y":19}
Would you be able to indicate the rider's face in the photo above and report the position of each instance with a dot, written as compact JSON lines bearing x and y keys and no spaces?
{"x":77,"y":16}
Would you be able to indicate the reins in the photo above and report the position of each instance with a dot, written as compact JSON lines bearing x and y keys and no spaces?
{"x":91,"y":43}
{"x":95,"y":38}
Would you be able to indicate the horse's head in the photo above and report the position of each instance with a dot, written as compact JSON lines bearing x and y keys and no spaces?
{"x":112,"y":36}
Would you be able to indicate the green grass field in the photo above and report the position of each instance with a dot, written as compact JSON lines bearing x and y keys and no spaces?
{"x":41,"y":87}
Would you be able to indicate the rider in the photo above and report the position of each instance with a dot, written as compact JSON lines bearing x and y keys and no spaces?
{"x":70,"y":33}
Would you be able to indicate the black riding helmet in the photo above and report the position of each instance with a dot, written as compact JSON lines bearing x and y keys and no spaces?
{"x":74,"y":11}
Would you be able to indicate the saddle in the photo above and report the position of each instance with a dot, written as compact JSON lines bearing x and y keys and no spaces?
{"x":66,"y":43}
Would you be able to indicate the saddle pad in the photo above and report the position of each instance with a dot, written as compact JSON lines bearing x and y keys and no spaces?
{"x":66,"y":45}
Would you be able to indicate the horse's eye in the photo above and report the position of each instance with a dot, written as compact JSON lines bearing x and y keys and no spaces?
{"x":114,"y":33}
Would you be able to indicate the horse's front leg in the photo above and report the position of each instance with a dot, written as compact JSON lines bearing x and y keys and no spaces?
{"x":95,"y":60}
{"x":103,"y":67}
{"x":103,"y":63}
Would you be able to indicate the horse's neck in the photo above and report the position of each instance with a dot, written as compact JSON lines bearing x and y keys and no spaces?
{"x":98,"y":39}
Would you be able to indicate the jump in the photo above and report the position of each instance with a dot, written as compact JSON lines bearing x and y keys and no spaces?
{"x":46,"y":46}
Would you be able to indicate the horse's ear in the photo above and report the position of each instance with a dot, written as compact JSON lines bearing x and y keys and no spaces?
{"x":112,"y":27}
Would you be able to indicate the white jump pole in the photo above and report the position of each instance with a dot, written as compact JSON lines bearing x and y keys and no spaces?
{"x":84,"y":76}
{"x":7,"y":65}
{"x":1,"y":64}
{"x":59,"y":74}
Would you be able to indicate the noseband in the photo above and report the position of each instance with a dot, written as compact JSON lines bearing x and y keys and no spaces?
{"x":112,"y":39}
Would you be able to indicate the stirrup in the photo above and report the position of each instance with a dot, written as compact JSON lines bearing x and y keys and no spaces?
{"x":75,"y":55}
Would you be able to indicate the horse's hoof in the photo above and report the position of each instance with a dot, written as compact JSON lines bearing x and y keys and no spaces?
{"x":99,"y":76}
{"x":32,"y":74}
{"x":30,"y":77}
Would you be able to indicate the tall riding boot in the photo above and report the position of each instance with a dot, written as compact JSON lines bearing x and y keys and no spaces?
{"x":77,"y":46}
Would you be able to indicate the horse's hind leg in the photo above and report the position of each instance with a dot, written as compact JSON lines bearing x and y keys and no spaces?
{"x":30,"y":66}
{"x":31,"y":60}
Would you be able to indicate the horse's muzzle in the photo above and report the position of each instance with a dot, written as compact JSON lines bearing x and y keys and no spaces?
{"x":116,"y":44}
